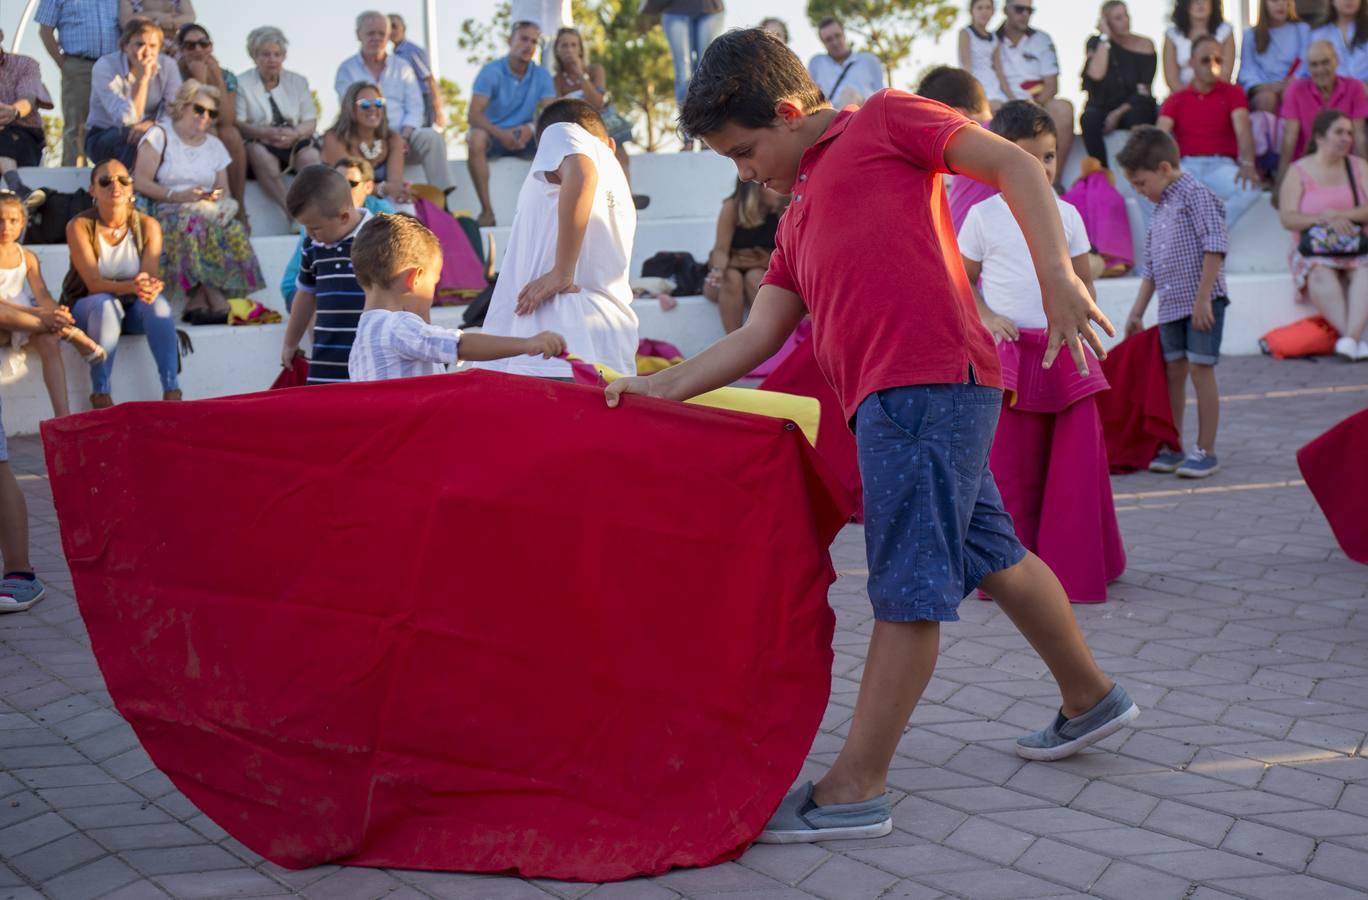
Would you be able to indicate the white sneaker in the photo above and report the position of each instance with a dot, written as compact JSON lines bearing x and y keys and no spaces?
{"x":1348,"y":348}
{"x":1362,"y":350}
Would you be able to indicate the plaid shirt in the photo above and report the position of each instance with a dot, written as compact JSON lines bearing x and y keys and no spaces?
{"x":20,"y":80}
{"x":1189,"y":221}
{"x":86,"y":28}
{"x":391,"y":344}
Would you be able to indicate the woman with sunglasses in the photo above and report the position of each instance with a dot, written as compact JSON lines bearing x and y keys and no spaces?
{"x":113,"y":287}
{"x":362,"y":129}
{"x":196,"y":60}
{"x":275,"y":113}
{"x":183,"y":170}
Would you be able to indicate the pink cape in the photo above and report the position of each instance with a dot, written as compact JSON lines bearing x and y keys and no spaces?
{"x":1104,"y":216}
{"x":461,"y":268}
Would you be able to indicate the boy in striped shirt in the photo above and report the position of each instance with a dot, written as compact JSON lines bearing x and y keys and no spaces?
{"x":397,"y":261}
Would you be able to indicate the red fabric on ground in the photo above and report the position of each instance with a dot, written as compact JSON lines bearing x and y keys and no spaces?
{"x":475,"y":627}
{"x":799,"y":374}
{"x":1333,"y":467}
{"x":1136,"y":416}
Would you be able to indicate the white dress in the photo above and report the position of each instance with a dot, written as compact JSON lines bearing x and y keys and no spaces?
{"x":981,"y":59}
{"x":14,"y":287}
{"x":1182,"y":45}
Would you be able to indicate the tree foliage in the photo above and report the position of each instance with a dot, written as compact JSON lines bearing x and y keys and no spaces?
{"x":483,"y":40}
{"x":52,"y":139}
{"x":887,"y":28}
{"x":456,"y":107}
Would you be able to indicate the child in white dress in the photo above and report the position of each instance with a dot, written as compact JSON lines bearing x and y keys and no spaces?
{"x":978,"y":53}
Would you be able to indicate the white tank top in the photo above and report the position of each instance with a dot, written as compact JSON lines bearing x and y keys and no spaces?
{"x":119,"y":262}
{"x":14,"y":285}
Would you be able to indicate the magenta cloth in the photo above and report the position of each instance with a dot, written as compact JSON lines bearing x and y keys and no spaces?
{"x":800,"y":334}
{"x":964,"y":193}
{"x":1302,"y":102}
{"x":1104,"y":216}
{"x":461,"y":268}
{"x":663,"y":349}
{"x":1049,"y":460}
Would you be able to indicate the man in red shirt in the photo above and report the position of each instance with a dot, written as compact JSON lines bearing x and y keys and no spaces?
{"x":867,"y":249}
{"x":1306,"y":98}
{"x":1210,"y":121}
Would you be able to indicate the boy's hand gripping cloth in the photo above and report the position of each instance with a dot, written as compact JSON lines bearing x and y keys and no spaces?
{"x":440,"y":671}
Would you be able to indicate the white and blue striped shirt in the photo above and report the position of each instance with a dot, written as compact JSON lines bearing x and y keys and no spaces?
{"x":396,"y":344}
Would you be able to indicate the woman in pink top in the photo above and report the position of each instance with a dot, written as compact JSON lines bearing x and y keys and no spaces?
{"x":1322,"y":193}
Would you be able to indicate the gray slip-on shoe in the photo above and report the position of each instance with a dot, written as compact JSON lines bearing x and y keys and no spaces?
{"x":800,"y":821}
{"x":1065,"y":737}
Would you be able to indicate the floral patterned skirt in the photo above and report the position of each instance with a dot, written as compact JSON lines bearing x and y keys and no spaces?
{"x":1301,"y":267}
{"x":200,"y":248}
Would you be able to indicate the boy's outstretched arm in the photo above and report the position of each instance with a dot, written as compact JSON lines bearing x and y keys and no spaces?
{"x":578,"y":180}
{"x":1070,"y":309}
{"x":774,"y":315}
{"x":480,"y":347}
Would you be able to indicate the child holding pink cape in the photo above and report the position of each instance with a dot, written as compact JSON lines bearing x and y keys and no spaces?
{"x":1049,"y":456}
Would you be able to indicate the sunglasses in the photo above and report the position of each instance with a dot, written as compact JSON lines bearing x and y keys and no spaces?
{"x":1027,"y":10}
{"x":201,"y":110}
{"x":355,"y":184}
{"x":377,"y":103}
{"x":1211,"y":59}
{"x":195,"y":45}
{"x":106,"y":180}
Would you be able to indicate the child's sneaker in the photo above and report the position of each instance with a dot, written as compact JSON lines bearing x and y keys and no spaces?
{"x":1065,"y":737}
{"x":1347,"y":347}
{"x":18,"y":594}
{"x":1199,"y":464}
{"x":800,"y":821}
{"x":1166,"y":461}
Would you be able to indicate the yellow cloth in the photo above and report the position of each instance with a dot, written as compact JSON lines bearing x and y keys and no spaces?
{"x":250,"y":312}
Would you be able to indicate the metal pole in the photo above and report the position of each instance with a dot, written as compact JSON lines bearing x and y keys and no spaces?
{"x":429,"y":33}
{"x":29,"y":9}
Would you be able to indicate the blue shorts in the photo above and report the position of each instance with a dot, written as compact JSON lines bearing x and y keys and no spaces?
{"x":499,"y":151}
{"x":934,"y":522}
{"x":1181,"y":340}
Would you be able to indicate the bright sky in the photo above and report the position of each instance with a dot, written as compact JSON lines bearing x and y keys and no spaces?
{"x":322,"y":34}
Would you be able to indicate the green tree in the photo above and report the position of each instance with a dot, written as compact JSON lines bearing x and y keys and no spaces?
{"x":52,"y":140}
{"x":484,"y":40}
{"x":457,"y":111}
{"x":636,"y":65}
{"x":887,"y":28}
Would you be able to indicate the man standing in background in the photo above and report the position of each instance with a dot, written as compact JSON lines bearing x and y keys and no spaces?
{"x":418,"y":58}
{"x":76,"y":33}
{"x":846,"y":78}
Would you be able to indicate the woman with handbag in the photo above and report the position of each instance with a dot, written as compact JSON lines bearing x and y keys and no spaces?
{"x":1324,"y":204}
{"x":183,"y":170}
{"x":112,"y":286}
{"x":275,"y":113}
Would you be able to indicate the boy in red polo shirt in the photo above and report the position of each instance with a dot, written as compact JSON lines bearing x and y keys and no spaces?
{"x":866,"y":247}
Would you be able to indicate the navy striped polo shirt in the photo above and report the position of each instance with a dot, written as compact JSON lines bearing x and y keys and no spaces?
{"x":326,"y":271}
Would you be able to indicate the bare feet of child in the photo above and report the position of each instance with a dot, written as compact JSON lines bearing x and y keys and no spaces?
{"x":90,"y":351}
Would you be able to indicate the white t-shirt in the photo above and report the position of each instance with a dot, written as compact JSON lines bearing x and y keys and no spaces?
{"x":864,"y":78}
{"x":398,"y":344}
{"x":598,"y":323}
{"x":186,"y":165}
{"x":991,"y":236}
{"x":1030,"y":59}
{"x":1182,"y":49}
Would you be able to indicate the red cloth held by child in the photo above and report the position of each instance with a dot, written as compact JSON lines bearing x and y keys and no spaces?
{"x":1136,"y":416}
{"x":502,"y":657}
{"x":1333,"y":467}
{"x":295,"y":376}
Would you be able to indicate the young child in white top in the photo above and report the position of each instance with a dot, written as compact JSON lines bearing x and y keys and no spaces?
{"x":566,"y":265}
{"x":978,"y":53}
{"x":397,"y":263}
{"x":21,"y":285}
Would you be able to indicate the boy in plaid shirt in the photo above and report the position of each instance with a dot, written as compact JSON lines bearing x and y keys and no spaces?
{"x":1184,"y":253}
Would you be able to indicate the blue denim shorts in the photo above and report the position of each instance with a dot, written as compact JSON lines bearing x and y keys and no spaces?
{"x":934,"y":522}
{"x":1181,"y":340}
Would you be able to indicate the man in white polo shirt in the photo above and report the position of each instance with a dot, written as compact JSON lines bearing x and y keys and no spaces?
{"x":846,"y":78}
{"x":1031,"y":66}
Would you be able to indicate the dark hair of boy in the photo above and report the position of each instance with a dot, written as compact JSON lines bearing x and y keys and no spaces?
{"x":1146,"y":148}
{"x":1020,"y":120}
{"x":575,"y":112}
{"x":741,"y":79}
{"x":954,"y":87}
{"x":320,"y":188}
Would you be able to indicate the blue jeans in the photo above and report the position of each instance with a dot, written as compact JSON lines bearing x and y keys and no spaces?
{"x":110,"y":143}
{"x":104,"y":318}
{"x":688,"y":37}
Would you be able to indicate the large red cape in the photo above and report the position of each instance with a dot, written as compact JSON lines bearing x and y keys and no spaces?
{"x":463,"y":622}
{"x":1333,"y":466}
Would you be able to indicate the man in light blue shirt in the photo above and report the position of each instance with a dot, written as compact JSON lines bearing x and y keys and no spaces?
{"x":76,"y":33}
{"x":403,"y":96}
{"x":417,"y":57}
{"x":503,"y":109}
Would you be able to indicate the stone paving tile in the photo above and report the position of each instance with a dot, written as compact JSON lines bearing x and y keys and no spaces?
{"x":1240,"y":628}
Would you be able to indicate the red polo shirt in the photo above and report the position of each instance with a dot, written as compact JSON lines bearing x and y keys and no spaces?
{"x":868,"y":244}
{"x":1201,"y":122}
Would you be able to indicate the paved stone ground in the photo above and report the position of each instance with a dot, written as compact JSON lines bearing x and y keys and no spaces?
{"x":1239,"y":627}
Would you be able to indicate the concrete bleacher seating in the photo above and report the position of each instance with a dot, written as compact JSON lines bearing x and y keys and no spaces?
{"x":685,"y":189}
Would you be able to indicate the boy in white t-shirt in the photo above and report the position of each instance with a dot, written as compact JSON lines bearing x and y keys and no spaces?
{"x":566,"y":265}
{"x":1048,"y":456}
{"x":397,"y":262}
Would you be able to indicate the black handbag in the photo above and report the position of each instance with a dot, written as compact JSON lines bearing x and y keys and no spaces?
{"x":1322,"y":240}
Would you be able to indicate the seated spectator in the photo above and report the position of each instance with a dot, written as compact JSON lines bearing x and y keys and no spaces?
{"x":277,"y":115}
{"x":1193,"y":19}
{"x":76,"y":33}
{"x":196,"y":59}
{"x":503,"y":109}
{"x":745,"y":239}
{"x":116,"y":255}
{"x":168,"y":15}
{"x":960,"y":91}
{"x":1272,"y":52}
{"x":1307,"y":98}
{"x":847,"y":78}
{"x":776,"y":27}
{"x":1209,"y":119}
{"x":183,"y":170}
{"x":362,"y":129}
{"x":1347,"y":30}
{"x":549,"y":16}
{"x":580,"y":79}
{"x":21,"y":127}
{"x":1031,"y":69}
{"x":416,"y":56}
{"x":1118,"y":77}
{"x":978,"y":53}
{"x":404,"y":98}
{"x":1323,"y":204}
{"x":128,"y":90}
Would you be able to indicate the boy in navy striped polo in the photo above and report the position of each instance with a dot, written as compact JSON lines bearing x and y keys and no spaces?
{"x":327,"y":292}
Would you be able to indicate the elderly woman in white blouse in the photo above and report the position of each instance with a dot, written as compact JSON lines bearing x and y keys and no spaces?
{"x":275,"y":113}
